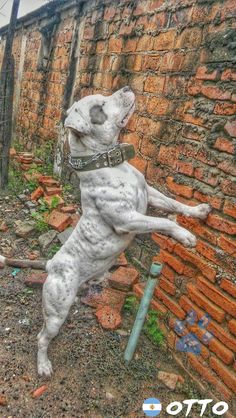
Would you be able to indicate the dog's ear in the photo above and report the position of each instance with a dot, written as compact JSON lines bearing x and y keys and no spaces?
{"x":76,"y":116}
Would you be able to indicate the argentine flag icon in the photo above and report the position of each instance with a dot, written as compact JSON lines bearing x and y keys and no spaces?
{"x":152,"y":407}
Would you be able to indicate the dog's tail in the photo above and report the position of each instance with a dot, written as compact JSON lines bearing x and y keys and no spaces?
{"x":13,"y":262}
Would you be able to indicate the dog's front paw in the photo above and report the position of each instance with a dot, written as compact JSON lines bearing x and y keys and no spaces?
{"x":185,"y":237}
{"x":202,"y":211}
{"x":45,"y":368}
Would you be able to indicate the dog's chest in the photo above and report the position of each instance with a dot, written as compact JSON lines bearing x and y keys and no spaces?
{"x":122,"y":187}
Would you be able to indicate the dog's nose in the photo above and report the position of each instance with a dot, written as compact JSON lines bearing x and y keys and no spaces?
{"x":126,"y":89}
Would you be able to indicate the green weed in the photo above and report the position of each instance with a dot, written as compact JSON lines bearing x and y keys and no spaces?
{"x":152,"y":329}
{"x":131,"y":304}
{"x":40,"y":223}
{"x":53,"y":250}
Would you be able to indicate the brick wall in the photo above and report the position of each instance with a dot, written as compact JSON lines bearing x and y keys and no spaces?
{"x":179,"y":58}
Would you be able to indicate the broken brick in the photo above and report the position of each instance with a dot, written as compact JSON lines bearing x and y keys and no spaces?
{"x":68,"y":209}
{"x":48,"y":181}
{"x":124,"y":278}
{"x":121,"y":261}
{"x":59,"y":221}
{"x":37,"y":193}
{"x":53,"y":190}
{"x":108,"y":297}
{"x":108,"y":317}
{"x":35,"y":279}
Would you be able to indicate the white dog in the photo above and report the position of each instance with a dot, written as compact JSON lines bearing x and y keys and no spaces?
{"x":115,"y":197}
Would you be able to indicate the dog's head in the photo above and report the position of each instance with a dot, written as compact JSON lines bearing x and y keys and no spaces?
{"x":97,"y":120}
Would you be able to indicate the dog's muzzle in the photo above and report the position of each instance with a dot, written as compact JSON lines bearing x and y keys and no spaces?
{"x":111,"y":158}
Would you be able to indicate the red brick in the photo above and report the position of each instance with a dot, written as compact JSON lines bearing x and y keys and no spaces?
{"x":198,"y":228}
{"x":35,"y":279}
{"x":205,"y":175}
{"x":37,"y":194}
{"x":50,"y":191}
{"x":221,"y":351}
{"x":228,"y":75}
{"x":230,"y":208}
{"x":152,"y":62}
{"x":172,"y":61}
{"x":59,"y":221}
{"x":145,"y":43}
{"x":204,"y":303}
{"x":157,"y":306}
{"x":214,"y":201}
{"x":221,"y":224}
{"x":48,"y":181}
{"x":223,"y":144}
{"x":228,"y":245}
{"x":130,"y":45}
{"x":229,"y":287}
{"x":218,"y":297}
{"x":203,"y":73}
{"x":139,"y":163}
{"x":171,"y":304}
{"x":228,"y":186}
{"x":230,"y":127}
{"x":108,"y":317}
{"x":228,"y":377}
{"x":124,"y":278}
{"x":232,"y":326}
{"x":168,"y":155}
{"x":179,"y":189}
{"x":121,"y":261}
{"x":88,"y":32}
{"x":158,"y":106}
{"x":165,"y":40}
{"x":215,"y":93}
{"x":172,"y":261}
{"x":188,"y":305}
{"x":139,"y":289}
{"x":115,"y":45}
{"x":206,"y":373}
{"x":222,"y":335}
{"x":208,"y":252}
{"x":189,"y":38}
{"x":108,"y":297}
{"x":164,"y":242}
{"x":197,"y":261}
{"x":109,"y":13}
{"x":167,"y":286}
{"x":68,"y":209}
{"x":225,"y":109}
{"x":154,"y":84}
{"x":184,"y":168}
{"x":168,"y":273}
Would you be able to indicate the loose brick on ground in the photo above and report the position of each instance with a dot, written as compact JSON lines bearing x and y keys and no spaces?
{"x":59,"y":221}
{"x":124,"y":278}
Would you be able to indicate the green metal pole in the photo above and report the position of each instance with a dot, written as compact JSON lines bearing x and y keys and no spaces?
{"x":155,"y":271}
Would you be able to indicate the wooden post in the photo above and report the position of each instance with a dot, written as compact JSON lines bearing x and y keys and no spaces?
{"x":6,"y":97}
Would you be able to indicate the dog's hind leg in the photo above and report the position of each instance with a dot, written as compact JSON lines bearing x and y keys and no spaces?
{"x":58,"y":295}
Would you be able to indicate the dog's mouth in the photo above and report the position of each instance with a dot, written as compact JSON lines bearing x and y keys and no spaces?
{"x":127,"y":115}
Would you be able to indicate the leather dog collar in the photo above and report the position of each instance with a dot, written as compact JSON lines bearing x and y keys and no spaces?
{"x":110,"y":158}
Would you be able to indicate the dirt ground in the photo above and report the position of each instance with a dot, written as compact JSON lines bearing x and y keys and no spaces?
{"x":90,"y":378}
